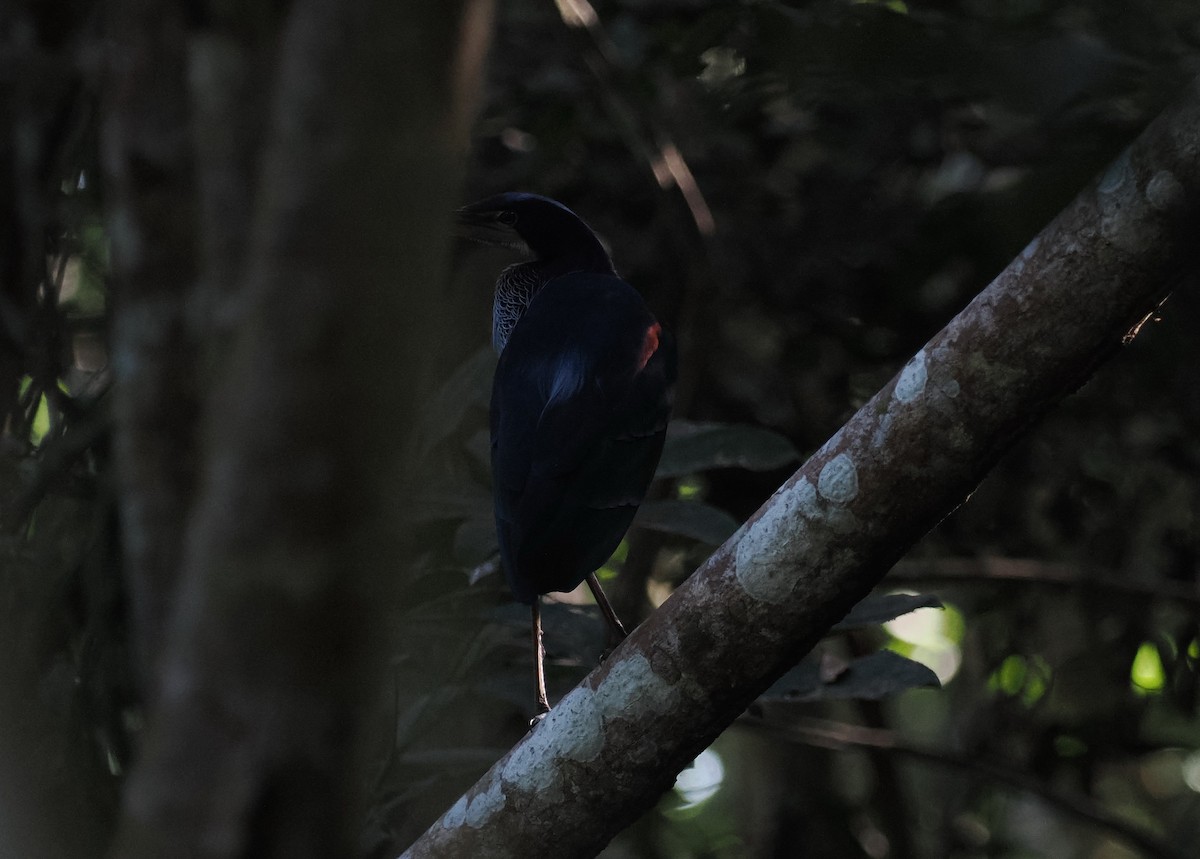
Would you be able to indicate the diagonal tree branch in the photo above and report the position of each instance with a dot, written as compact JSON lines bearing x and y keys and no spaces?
{"x":904,"y":461}
{"x":1046,"y":574}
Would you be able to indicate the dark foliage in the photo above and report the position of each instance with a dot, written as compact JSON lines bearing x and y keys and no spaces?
{"x":803,"y":192}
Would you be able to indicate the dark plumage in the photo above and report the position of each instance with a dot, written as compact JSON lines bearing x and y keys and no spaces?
{"x":580,"y":400}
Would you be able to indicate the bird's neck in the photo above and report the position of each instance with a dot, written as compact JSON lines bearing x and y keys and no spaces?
{"x":515,"y":288}
{"x":518,"y":284}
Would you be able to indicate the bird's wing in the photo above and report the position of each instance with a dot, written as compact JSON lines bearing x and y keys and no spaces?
{"x":579,"y":410}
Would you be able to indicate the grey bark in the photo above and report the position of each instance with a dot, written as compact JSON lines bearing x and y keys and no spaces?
{"x":829,"y":535}
{"x":152,"y":221}
{"x":275,"y":626}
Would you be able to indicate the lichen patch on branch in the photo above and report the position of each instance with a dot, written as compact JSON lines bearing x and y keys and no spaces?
{"x":1118,"y":174}
{"x":838,"y":481}
{"x":757,"y":564}
{"x":476,"y":811}
{"x":911,"y":383}
{"x":574,"y":730}
{"x":1164,"y":192}
{"x":797,"y":527}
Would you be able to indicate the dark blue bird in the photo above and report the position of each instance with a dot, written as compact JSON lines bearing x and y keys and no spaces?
{"x":580,"y":401}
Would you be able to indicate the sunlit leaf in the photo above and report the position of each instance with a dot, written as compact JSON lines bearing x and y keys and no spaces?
{"x":880,"y":608}
{"x":1023,"y":676}
{"x":1146,"y":673}
{"x":41,"y":421}
{"x":689,"y":489}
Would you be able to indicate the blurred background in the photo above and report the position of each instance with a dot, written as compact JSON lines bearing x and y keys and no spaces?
{"x":804,"y":192}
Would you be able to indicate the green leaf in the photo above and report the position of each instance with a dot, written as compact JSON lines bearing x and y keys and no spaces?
{"x":869,"y":678}
{"x":692,"y":519}
{"x":880,"y":608}
{"x":691,"y":448}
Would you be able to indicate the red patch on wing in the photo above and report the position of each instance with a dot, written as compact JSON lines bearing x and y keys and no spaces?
{"x":649,"y":345}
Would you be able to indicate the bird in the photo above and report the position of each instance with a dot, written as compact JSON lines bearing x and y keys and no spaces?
{"x":580,"y":402}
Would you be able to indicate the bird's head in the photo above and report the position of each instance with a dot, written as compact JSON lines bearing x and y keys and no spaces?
{"x":543,"y":228}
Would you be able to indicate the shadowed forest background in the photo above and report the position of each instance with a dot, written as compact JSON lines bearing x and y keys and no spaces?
{"x":804,"y":193}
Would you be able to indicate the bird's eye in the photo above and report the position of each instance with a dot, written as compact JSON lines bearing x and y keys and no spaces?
{"x":509,"y":219}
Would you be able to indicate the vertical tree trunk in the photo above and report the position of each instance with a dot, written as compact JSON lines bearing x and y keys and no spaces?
{"x":277,"y":620}
{"x":149,"y":165}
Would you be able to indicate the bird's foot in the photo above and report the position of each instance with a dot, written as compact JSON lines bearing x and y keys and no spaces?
{"x":538,"y":719}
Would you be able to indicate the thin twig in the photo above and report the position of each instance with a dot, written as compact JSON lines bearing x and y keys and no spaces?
{"x":663,"y":156}
{"x":1040,"y":573}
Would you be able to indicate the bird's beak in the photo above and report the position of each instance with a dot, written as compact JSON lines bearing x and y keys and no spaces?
{"x":486,"y":228}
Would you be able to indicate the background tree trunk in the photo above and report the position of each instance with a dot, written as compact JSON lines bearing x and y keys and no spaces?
{"x":273,"y":625}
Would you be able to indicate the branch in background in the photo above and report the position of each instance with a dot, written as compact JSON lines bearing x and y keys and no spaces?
{"x":839,"y":736}
{"x":648,"y":138}
{"x":663,"y":157}
{"x":613,"y":745}
{"x":1018,"y":571}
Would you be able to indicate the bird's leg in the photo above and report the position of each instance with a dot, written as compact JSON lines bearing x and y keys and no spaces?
{"x":539,"y":659}
{"x":616,"y":631}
